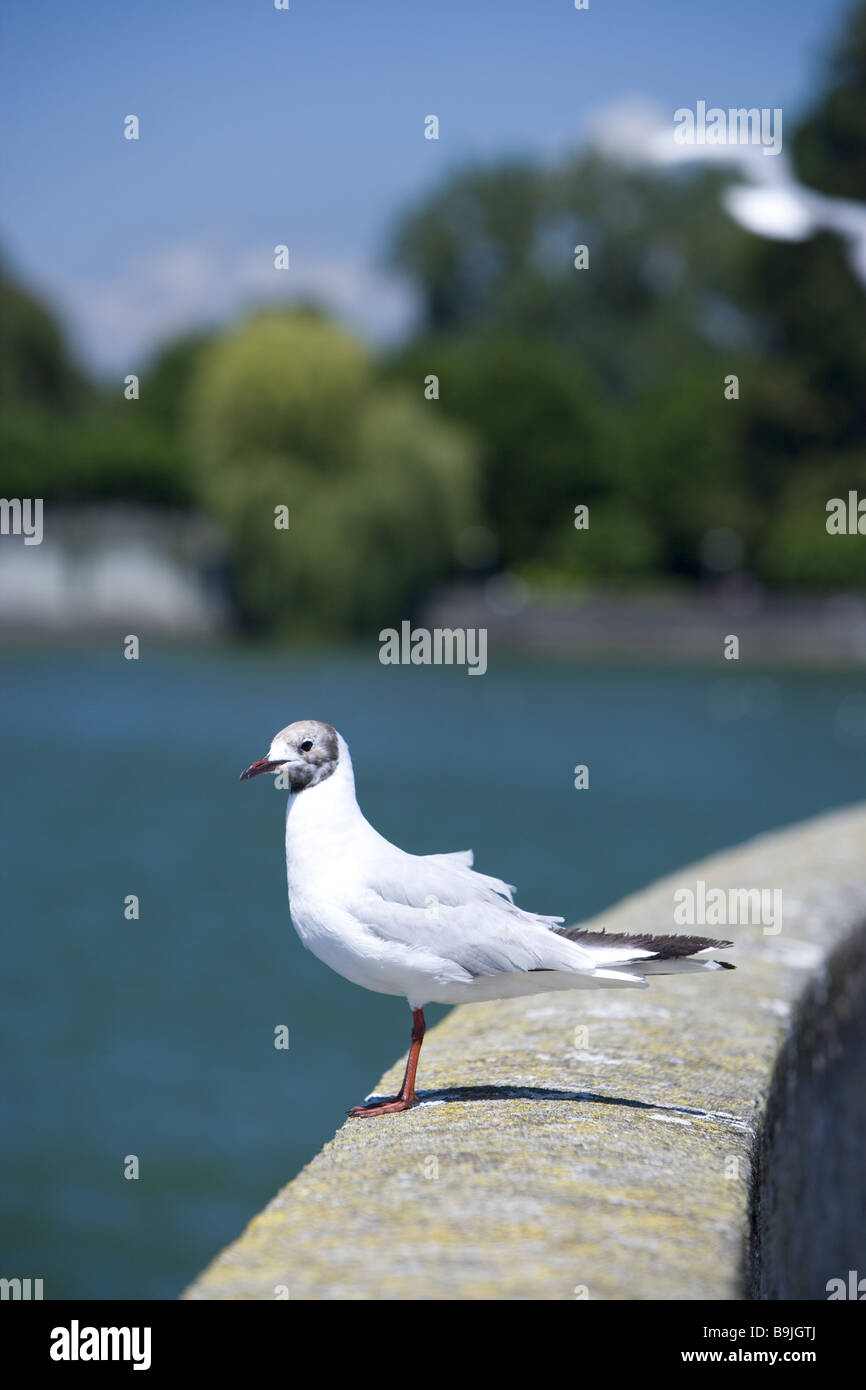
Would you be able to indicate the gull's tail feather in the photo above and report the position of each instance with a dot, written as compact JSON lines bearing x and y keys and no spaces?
{"x":647,"y":954}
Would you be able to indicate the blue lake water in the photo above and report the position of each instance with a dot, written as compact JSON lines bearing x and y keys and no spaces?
{"x":154,"y":1037}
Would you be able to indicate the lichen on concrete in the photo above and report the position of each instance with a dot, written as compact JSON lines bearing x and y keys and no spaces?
{"x":588,"y":1145}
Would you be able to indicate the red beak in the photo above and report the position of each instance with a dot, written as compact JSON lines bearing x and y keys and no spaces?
{"x":255,"y":768}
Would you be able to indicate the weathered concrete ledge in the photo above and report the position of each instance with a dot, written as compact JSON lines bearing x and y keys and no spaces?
{"x":703,"y":1138}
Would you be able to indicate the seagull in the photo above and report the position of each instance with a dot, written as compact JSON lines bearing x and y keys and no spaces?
{"x":771,"y":203}
{"x":428,"y":926}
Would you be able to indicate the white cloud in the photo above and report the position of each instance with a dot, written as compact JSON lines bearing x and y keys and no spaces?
{"x":117,"y":321}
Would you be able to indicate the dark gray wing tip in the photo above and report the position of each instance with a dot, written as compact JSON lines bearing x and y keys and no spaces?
{"x":664,"y":947}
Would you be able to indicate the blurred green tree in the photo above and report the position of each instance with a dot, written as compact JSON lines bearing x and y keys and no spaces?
{"x":543,"y":439}
{"x":492,"y":254}
{"x":605,"y":385}
{"x":287,"y":412}
{"x":830,"y":142}
{"x":36,"y":369}
{"x":601,"y":387}
{"x":69,"y":440}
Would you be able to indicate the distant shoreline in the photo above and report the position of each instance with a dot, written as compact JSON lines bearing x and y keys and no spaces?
{"x":118,"y":565}
{"x":789,"y":630}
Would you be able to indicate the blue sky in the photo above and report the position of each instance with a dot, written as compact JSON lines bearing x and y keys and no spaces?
{"x":306,"y":127}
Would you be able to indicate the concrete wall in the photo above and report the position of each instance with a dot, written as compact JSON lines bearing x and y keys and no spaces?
{"x":699,"y":1139}
{"x":809,"y":1199}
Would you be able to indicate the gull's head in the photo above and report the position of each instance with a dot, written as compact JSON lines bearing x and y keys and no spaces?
{"x":307,"y":752}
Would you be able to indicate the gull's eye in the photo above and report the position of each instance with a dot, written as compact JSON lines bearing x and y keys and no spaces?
{"x":306,"y":745}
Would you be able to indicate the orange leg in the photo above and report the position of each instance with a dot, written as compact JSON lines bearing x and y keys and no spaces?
{"x":407,"y":1098}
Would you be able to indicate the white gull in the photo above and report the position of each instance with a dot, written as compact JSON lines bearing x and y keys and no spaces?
{"x":428,"y":926}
